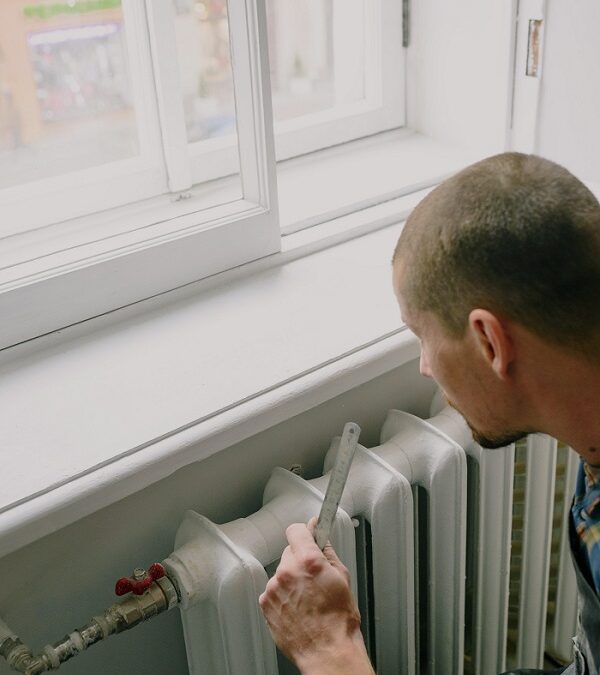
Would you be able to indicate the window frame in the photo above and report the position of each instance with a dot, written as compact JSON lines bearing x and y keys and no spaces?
{"x":80,"y":192}
{"x":170,"y":241}
{"x":163,"y":235}
{"x":383,"y":108}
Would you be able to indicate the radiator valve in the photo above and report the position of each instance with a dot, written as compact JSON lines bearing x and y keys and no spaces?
{"x":152,"y":593}
{"x":140,"y":580}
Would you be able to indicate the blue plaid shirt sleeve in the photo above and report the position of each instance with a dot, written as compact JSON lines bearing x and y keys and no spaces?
{"x":586,"y":518}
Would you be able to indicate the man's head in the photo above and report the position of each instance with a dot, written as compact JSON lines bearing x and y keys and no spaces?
{"x":507,"y":248}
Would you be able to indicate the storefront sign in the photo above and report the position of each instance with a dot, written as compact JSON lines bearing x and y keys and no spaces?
{"x":56,"y":9}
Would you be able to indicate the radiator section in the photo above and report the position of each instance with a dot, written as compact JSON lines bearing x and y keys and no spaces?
{"x":439,"y":468}
{"x":537,"y":537}
{"x":489,"y":520}
{"x":543,"y":595}
{"x":381,"y":497}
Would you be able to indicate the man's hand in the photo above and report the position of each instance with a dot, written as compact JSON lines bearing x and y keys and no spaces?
{"x":309,"y":608}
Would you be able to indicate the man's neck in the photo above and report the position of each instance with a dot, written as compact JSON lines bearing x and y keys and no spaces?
{"x":566,"y":395}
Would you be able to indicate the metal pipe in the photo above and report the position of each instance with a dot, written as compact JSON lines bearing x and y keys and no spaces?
{"x":160,"y":597}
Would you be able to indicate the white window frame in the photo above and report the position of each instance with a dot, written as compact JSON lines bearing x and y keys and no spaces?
{"x":385,"y":76}
{"x":87,"y":265}
{"x":382,"y":109}
{"x":163,"y":243}
{"x":79,"y":193}
{"x":523,"y":135}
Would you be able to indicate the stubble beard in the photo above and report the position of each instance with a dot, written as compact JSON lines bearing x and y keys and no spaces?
{"x":491,"y":441}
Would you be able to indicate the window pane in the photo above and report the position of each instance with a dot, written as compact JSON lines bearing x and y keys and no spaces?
{"x":65,"y":89}
{"x":205,"y":68}
{"x":317,"y":55}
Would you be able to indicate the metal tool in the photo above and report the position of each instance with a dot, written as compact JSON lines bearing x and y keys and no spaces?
{"x":337,"y":481}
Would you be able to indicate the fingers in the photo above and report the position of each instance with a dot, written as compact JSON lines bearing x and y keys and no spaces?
{"x":287,"y":558}
{"x":334,"y":561}
{"x":307,"y":588}
{"x":287,"y":569}
{"x":300,"y":538}
{"x":304,"y":554}
{"x":305,"y":550}
{"x":266,"y":598}
{"x":328,"y":551}
{"x":331,"y":555}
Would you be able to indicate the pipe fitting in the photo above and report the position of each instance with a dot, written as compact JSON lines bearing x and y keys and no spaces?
{"x":159,"y":597}
{"x":20,"y":657}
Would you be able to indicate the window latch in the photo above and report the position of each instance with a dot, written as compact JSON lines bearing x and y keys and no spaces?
{"x":534,"y":41}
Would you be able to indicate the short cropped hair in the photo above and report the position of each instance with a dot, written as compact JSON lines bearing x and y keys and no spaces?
{"x":515,"y":234}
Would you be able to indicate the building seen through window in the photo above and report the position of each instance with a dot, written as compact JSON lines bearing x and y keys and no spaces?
{"x":64,"y":88}
{"x":306,"y":76}
{"x":66,"y":99}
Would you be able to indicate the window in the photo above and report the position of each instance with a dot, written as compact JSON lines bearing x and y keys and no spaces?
{"x":337,"y":71}
{"x":75,"y":125}
{"x":118,"y":116}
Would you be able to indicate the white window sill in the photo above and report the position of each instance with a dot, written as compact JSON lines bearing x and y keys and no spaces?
{"x":117,"y":403}
{"x":106,"y":407}
{"x":41,"y":269}
{"x":360,"y":174}
{"x":312,"y":189}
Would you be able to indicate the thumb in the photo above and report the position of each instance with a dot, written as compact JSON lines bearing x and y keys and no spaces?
{"x":328,"y":551}
{"x":336,"y":563}
{"x":332,"y":556}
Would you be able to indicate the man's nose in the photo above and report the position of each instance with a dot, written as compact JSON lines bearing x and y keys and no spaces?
{"x":424,"y":365}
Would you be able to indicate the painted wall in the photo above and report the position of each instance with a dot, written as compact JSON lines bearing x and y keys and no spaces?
{"x":459,"y":78}
{"x":569,"y":120}
{"x":459,"y":72}
{"x":56,"y":584}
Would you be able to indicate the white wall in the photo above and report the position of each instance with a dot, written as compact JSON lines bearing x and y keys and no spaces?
{"x":569,"y":118}
{"x":459,"y":72}
{"x":57,"y":583}
{"x":459,"y":78}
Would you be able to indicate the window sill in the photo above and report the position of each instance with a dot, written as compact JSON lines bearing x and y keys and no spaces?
{"x":112,"y":405}
{"x":356,"y":175}
{"x":106,"y":407}
{"x":361,"y":174}
{"x":111,"y":270}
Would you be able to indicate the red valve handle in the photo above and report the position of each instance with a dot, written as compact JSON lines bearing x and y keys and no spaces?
{"x":140,"y":581}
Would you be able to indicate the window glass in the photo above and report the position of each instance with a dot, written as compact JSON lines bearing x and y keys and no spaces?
{"x":317,"y":55}
{"x":205,"y":68}
{"x":65,"y":88}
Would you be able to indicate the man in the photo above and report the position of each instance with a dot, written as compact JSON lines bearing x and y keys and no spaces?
{"x":497,"y":271}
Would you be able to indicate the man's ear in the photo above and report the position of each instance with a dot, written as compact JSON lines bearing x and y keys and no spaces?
{"x":493,"y":339}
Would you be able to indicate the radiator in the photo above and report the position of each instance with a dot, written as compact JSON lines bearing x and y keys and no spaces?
{"x":425,"y":527}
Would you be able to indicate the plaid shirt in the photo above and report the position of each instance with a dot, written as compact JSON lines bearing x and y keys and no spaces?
{"x":586,"y":517}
